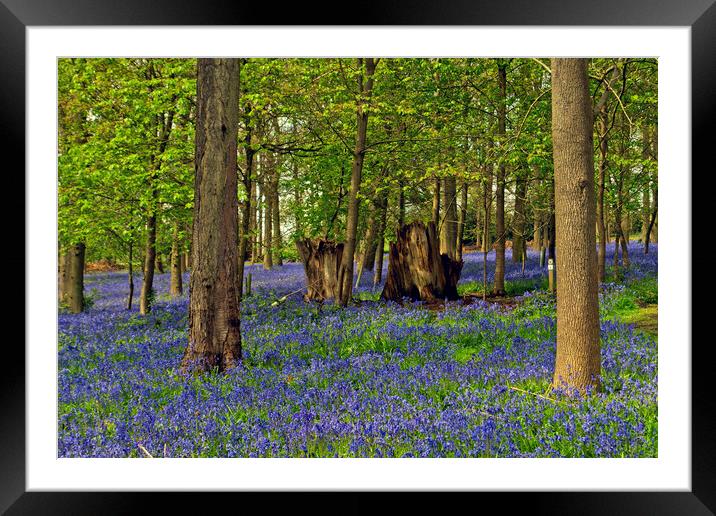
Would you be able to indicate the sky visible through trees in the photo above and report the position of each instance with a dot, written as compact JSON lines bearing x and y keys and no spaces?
{"x":379,"y":257}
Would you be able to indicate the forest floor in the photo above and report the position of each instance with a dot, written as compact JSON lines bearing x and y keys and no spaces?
{"x":467,"y":379}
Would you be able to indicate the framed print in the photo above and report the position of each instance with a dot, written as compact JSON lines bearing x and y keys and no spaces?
{"x":44,"y":472}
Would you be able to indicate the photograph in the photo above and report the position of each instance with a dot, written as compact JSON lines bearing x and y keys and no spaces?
{"x":357,"y":257}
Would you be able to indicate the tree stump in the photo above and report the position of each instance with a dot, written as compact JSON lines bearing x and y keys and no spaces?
{"x":417,"y":270}
{"x":321,"y":261}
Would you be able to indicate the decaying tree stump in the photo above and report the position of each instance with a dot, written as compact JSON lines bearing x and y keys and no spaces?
{"x":321,"y":261}
{"x":417,"y":270}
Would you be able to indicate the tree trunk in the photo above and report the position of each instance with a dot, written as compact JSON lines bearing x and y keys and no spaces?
{"x":130,"y":277}
{"x":268,"y":211}
{"x":75,"y":288}
{"x":64,"y":271}
{"x":499,"y":288}
{"x":448,"y":231}
{"x":321,"y":261}
{"x":417,"y":270}
{"x":462,"y":215}
{"x":519,"y":221}
{"x":383,"y":207}
{"x":435,"y":217}
{"x":247,"y":249}
{"x":158,"y":265}
{"x":276,"y":213}
{"x":487,"y":206}
{"x":578,"y":363}
{"x":370,"y":242}
{"x":147,"y":294}
{"x":652,"y":221}
{"x":214,"y":313}
{"x":602,"y":251}
{"x":365,"y":88}
{"x":175,"y":282}
{"x":401,"y":205}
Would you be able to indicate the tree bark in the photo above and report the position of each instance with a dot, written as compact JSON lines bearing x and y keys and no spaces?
{"x":130,"y":276}
{"x":64,"y":271}
{"x":448,"y":230}
{"x":578,"y":363}
{"x":365,"y":88}
{"x":370,"y":242}
{"x":499,"y":288}
{"x":519,"y":221}
{"x":175,"y":281}
{"x":321,"y":261}
{"x":276,"y":213}
{"x":75,"y":288}
{"x":383,"y":207}
{"x":462,"y":215}
{"x":603,"y":146}
{"x":268,"y":211}
{"x":417,"y":270}
{"x":147,"y":293}
{"x":435,"y":217}
{"x":214,"y":314}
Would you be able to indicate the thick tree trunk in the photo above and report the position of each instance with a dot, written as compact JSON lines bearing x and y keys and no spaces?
{"x":175,"y":281}
{"x":417,"y":270}
{"x":462,"y":215}
{"x":536,"y":231}
{"x":322,"y":261}
{"x":75,"y":287}
{"x":365,"y":88}
{"x":499,"y":288}
{"x":578,"y":363}
{"x":214,"y":314}
{"x":448,"y":229}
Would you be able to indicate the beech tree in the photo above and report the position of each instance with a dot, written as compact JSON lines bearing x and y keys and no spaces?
{"x":578,"y":359}
{"x":214,"y":316}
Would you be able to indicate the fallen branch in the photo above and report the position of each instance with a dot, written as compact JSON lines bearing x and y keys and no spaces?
{"x":144,"y":450}
{"x":535,"y":394}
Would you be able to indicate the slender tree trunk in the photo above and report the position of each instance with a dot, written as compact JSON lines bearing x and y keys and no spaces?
{"x":145,"y":298}
{"x":158,"y":265}
{"x":435,"y":217}
{"x":130,"y":276}
{"x":462,"y":215}
{"x":602,"y":251}
{"x":268,"y":211}
{"x":519,"y":221}
{"x":378,"y":271}
{"x":371,"y":240}
{"x":276,"y":212}
{"x":401,"y":205}
{"x":365,"y":88}
{"x":247,"y":249}
{"x":64,"y":271}
{"x":75,"y":288}
{"x":487,"y":212}
{"x":578,"y":363}
{"x":175,"y":281}
{"x":499,"y":288}
{"x":448,"y":229}
{"x":214,"y":314}
{"x":652,"y":221}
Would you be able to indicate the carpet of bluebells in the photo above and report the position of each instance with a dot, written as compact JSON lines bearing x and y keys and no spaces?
{"x":372,"y":380}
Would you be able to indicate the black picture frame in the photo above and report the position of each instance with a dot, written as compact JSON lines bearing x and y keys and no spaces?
{"x":16,"y":15}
